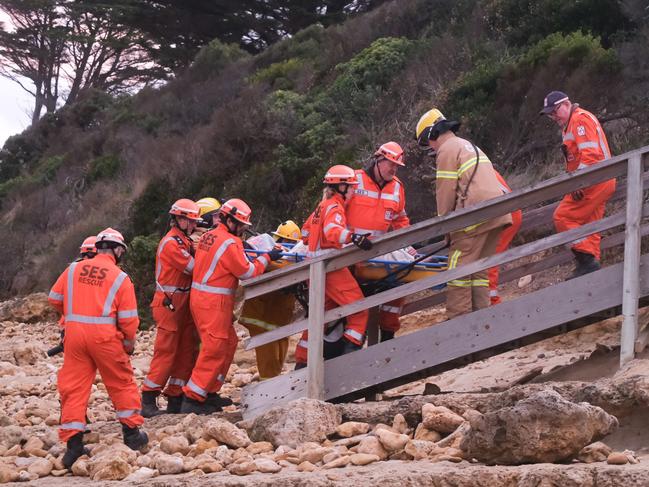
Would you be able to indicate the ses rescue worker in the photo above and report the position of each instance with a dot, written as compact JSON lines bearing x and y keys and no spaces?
{"x":97,"y":300}
{"x":220,"y":263}
{"x":584,"y":144}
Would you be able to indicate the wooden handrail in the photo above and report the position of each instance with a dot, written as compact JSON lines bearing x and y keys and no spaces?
{"x":433,"y":227}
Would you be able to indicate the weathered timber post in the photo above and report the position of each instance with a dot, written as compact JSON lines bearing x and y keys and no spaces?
{"x":631,"y":279}
{"x":315,"y":361}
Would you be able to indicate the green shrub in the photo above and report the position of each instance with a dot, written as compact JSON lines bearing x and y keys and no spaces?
{"x":279,"y":75}
{"x":362,"y":79}
{"x":214,"y":57}
{"x":105,"y":166}
{"x":47,"y":169}
{"x":140,"y":265}
{"x":524,"y":22}
{"x":149,"y":211}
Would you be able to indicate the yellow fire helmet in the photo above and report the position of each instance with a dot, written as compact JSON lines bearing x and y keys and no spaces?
{"x":288,"y":230}
{"x":430,"y":126}
{"x":207,"y":205}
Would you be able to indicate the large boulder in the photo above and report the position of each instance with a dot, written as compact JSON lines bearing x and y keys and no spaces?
{"x":29,"y":309}
{"x":297,"y":422}
{"x":545,"y":427}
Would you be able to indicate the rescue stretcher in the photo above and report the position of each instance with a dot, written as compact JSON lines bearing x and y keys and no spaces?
{"x":399,"y":272}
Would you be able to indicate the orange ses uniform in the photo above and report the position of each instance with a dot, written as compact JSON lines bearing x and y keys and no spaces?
{"x":97,"y":300}
{"x":584,"y":144}
{"x":328,"y":230}
{"x":220,"y":263}
{"x":176,"y":343}
{"x":377,"y":210}
{"x":506,"y":237}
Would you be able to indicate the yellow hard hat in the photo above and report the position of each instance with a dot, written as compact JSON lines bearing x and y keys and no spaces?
{"x":207,"y":205}
{"x":430,"y":122}
{"x":288,"y":230}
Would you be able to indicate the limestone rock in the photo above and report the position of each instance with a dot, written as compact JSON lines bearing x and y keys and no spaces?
{"x":207,"y":464}
{"x":80,"y":467}
{"x":541,"y":428}
{"x":266,"y":465}
{"x":33,"y":444}
{"x":313,"y":455}
{"x":240,"y":380}
{"x":260,"y":447}
{"x":296,"y":422}
{"x":168,"y":464}
{"x":41,"y":467}
{"x":400,"y":425}
{"x":175,"y":444}
{"x":28,"y":353}
{"x":524,"y":281}
{"x":141,"y":474}
{"x":7,"y":474}
{"x":202,"y":446}
{"x":25,"y":476}
{"x":392,"y":442}
{"x":8,"y":368}
{"x":28,"y":309}
{"x":11,"y":435}
{"x":423,"y":433}
{"x":110,"y":469}
{"x":372,"y":446}
{"x":617,"y":458}
{"x":192,"y":427}
{"x":225,"y":432}
{"x":363,"y":458}
{"x":243,"y":468}
{"x":595,"y":452}
{"x":419,"y":449}
{"x":306,"y":467}
{"x":337,"y":463}
{"x":331,"y":456}
{"x":221,"y":454}
{"x":352,"y":428}
{"x":440,"y":418}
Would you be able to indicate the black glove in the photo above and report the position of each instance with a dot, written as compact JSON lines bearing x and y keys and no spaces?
{"x":362,"y":241}
{"x":577,"y":195}
{"x":275,"y":254}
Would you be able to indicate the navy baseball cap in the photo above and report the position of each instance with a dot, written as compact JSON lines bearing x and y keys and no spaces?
{"x":551,"y":100}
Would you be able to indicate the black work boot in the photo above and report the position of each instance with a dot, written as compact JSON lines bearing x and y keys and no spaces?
{"x":214,"y":399}
{"x":190,"y":405}
{"x":134,"y":438}
{"x":74,"y":451}
{"x":150,"y":405}
{"x":586,"y":264}
{"x":299,"y":365}
{"x":386,"y":335}
{"x":173,"y":404}
{"x":349,"y":347}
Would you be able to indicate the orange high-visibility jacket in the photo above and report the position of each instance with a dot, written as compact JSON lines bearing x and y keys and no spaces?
{"x":328,"y":226}
{"x":174,"y":265}
{"x":584,"y":140}
{"x":97,"y":292}
{"x":376,"y":210}
{"x":221,"y":262}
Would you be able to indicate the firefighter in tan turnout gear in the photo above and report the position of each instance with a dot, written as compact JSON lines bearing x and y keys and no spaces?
{"x":464,"y":177}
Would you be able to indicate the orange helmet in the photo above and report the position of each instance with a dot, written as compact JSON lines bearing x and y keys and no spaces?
{"x":88,"y":245}
{"x":187,"y":208}
{"x":392,"y":152}
{"x":237,"y":209}
{"x":110,"y":235}
{"x":340,"y":174}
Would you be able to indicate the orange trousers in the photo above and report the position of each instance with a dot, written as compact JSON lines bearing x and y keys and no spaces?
{"x":506,"y":238}
{"x":175,"y":348}
{"x":389,"y":314}
{"x":573,"y":213}
{"x":340,"y":289}
{"x":89,"y":348}
{"x":213,"y":317}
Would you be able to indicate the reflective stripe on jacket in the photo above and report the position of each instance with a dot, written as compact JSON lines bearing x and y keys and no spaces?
{"x":328,"y":229}
{"x":584,"y":140}
{"x":376,"y":210}
{"x":220,"y":262}
{"x":174,"y":265}
{"x":97,"y":292}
